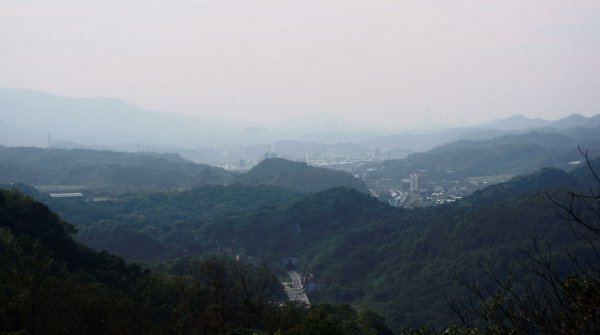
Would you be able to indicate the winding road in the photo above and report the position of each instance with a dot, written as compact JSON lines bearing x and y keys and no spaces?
{"x":296,"y":291}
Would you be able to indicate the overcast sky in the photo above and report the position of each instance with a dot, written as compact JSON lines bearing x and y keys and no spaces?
{"x":384,"y":61}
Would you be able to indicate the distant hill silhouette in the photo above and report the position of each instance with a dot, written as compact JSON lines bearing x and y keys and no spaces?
{"x":107,"y":170}
{"x":28,"y":117}
{"x":520,"y":122}
{"x":516,"y":122}
{"x":119,"y":171}
{"x":424,"y":142}
{"x":514,"y":154}
{"x":298,"y":176}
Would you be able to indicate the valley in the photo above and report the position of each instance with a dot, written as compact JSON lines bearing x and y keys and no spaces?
{"x":373,"y":249}
{"x":306,"y":167}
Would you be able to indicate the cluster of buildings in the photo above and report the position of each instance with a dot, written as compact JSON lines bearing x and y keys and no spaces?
{"x":423,"y":188}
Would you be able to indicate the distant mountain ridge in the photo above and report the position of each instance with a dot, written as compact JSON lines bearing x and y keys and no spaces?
{"x":514,"y":154}
{"x":574,"y":126}
{"x":424,"y":142}
{"x":520,"y":122}
{"x":104,"y":170}
{"x":27,"y":117}
{"x":120,"y":171}
{"x":35,"y":118}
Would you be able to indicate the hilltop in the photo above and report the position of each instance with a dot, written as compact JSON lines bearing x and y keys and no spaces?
{"x":103,"y":171}
{"x":299,"y":176}
{"x":107,"y":171}
{"x":513,"y":154}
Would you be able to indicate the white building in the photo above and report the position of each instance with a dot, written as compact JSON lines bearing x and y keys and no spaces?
{"x":414,"y":182}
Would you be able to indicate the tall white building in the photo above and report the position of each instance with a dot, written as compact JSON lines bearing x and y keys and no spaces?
{"x":414,"y":181}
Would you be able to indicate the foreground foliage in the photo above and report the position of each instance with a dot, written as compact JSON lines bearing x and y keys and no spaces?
{"x":49,"y":284}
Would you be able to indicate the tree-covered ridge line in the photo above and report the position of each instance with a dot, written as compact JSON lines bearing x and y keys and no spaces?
{"x":163,"y":226}
{"x":50,"y":284}
{"x":109,"y":172}
{"x":516,"y":154}
{"x":104,"y":170}
{"x":299,"y":176}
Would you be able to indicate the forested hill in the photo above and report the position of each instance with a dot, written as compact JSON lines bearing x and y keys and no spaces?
{"x":51,"y":285}
{"x":117,"y":172}
{"x":164,"y":226}
{"x":105,"y":170}
{"x":513,"y":154}
{"x":299,"y":176}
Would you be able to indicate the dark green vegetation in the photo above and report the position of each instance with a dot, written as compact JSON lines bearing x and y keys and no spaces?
{"x":104,"y":171}
{"x":553,"y":290}
{"x":109,"y":172}
{"x":400,"y":263}
{"x":299,"y":176}
{"x":49,"y":284}
{"x":163,"y":226}
{"x":397,"y":262}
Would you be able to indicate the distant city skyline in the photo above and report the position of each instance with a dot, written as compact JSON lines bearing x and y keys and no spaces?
{"x":397,"y":63}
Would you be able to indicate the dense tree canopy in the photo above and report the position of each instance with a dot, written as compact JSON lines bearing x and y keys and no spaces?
{"x":398,"y":262}
{"x":49,"y":284}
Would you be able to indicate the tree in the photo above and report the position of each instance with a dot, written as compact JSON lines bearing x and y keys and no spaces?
{"x":543,"y":298}
{"x":224,"y":294}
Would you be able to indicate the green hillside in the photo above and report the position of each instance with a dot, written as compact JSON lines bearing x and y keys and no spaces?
{"x":107,"y":171}
{"x":512,"y":154}
{"x":49,"y":284}
{"x":102,"y":172}
{"x":299,"y":176}
{"x":161,"y":226}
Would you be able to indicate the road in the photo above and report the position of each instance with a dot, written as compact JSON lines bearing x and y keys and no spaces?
{"x":296,"y":291}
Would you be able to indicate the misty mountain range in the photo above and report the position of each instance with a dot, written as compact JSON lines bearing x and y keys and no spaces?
{"x":150,"y":205}
{"x":34,"y":118}
{"x":520,"y":122}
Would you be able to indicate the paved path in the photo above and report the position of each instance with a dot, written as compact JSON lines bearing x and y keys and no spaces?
{"x":296,"y":292}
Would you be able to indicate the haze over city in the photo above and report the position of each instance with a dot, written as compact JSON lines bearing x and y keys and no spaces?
{"x":400,"y":63}
{"x":331,"y":167}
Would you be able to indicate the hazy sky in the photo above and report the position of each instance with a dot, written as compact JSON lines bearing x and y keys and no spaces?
{"x":378,"y":60}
